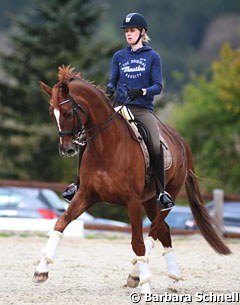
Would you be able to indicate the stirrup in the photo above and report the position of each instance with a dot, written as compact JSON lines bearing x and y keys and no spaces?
{"x":165,"y":201}
{"x":70,"y":191}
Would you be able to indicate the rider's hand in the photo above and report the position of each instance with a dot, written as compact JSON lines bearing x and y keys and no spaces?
{"x":109,"y":91}
{"x":134,"y":93}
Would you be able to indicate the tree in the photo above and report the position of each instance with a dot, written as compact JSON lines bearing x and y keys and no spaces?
{"x":51,"y":33}
{"x":209,"y":119}
{"x":169,"y":23}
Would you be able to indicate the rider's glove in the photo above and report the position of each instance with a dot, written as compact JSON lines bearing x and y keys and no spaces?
{"x":109,"y":91}
{"x":134,"y":93}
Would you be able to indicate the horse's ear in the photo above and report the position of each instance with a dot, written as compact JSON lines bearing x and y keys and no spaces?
{"x":45,"y":88}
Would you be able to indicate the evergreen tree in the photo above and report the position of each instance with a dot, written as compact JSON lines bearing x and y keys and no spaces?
{"x":51,"y":34}
{"x":209,"y":119}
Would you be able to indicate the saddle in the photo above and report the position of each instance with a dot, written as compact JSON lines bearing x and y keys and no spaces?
{"x":143,"y":137}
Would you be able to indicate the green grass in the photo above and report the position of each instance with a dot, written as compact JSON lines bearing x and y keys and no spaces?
{"x":23,"y":235}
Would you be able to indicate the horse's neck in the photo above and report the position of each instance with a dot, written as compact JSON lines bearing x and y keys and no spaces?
{"x":104,"y":128}
{"x":98,"y":114}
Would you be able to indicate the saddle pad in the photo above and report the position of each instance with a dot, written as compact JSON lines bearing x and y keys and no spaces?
{"x":129,"y":117}
{"x":167,"y":153}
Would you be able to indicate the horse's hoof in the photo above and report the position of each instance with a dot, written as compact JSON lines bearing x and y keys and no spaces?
{"x":40,"y":277}
{"x":133,"y":281}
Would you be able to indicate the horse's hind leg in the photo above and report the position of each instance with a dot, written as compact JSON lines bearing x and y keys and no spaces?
{"x":160,"y":230}
{"x":151,"y":209}
{"x":168,"y":253}
{"x":77,"y":206}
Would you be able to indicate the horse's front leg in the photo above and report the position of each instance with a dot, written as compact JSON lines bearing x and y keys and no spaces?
{"x":140,"y":273}
{"x":78,"y":205}
{"x":133,"y":279}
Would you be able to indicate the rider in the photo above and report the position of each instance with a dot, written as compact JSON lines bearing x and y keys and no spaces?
{"x":135,"y":77}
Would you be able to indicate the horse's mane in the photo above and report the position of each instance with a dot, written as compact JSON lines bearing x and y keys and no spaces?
{"x":66,"y":73}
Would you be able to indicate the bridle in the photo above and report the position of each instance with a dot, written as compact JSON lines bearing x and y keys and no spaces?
{"x":76,"y":118}
{"x":79,"y":129}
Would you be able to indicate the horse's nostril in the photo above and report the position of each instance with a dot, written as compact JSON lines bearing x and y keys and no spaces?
{"x":70,"y":151}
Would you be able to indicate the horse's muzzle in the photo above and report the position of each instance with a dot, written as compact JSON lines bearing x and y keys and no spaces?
{"x":69,"y":151}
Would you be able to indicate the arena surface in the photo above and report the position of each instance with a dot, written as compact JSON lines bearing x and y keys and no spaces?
{"x":93,"y":271}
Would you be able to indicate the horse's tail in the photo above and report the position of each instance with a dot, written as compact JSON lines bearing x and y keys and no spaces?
{"x":200,"y":213}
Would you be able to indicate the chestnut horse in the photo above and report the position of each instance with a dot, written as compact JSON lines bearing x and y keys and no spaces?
{"x":113,"y":170}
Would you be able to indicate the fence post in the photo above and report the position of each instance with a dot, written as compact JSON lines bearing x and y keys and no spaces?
{"x":218,"y":199}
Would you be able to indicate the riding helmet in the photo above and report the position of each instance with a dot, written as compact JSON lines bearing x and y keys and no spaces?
{"x":134,"y":20}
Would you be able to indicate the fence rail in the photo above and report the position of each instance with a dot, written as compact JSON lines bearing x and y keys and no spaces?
{"x":56,"y":186}
{"x":59,"y":187}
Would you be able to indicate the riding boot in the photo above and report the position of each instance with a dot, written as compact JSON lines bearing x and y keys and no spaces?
{"x":164,"y":199}
{"x":71,"y":190}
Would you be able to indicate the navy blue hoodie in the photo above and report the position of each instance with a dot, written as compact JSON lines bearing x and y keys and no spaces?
{"x":136,"y":70}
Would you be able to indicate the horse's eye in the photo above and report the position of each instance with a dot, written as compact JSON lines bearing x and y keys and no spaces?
{"x":68,"y":115}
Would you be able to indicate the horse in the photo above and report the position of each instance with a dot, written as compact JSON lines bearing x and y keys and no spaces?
{"x":113,"y":170}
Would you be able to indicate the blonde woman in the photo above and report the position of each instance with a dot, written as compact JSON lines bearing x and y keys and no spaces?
{"x":135,"y":78}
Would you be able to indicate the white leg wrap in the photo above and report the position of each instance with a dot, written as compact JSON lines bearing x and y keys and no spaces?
{"x":140,"y":258}
{"x":142,"y":270}
{"x":149,"y":245}
{"x":49,"y":250}
{"x":172,"y":268}
{"x":135,"y":271}
{"x":42,"y":266}
{"x":144,"y":273}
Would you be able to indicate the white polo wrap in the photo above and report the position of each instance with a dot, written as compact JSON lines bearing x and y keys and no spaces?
{"x":50,"y":249}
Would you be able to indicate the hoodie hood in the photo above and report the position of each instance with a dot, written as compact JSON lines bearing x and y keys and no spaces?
{"x":145,"y":48}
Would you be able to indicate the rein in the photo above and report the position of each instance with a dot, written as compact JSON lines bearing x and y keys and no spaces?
{"x":81,"y":132}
